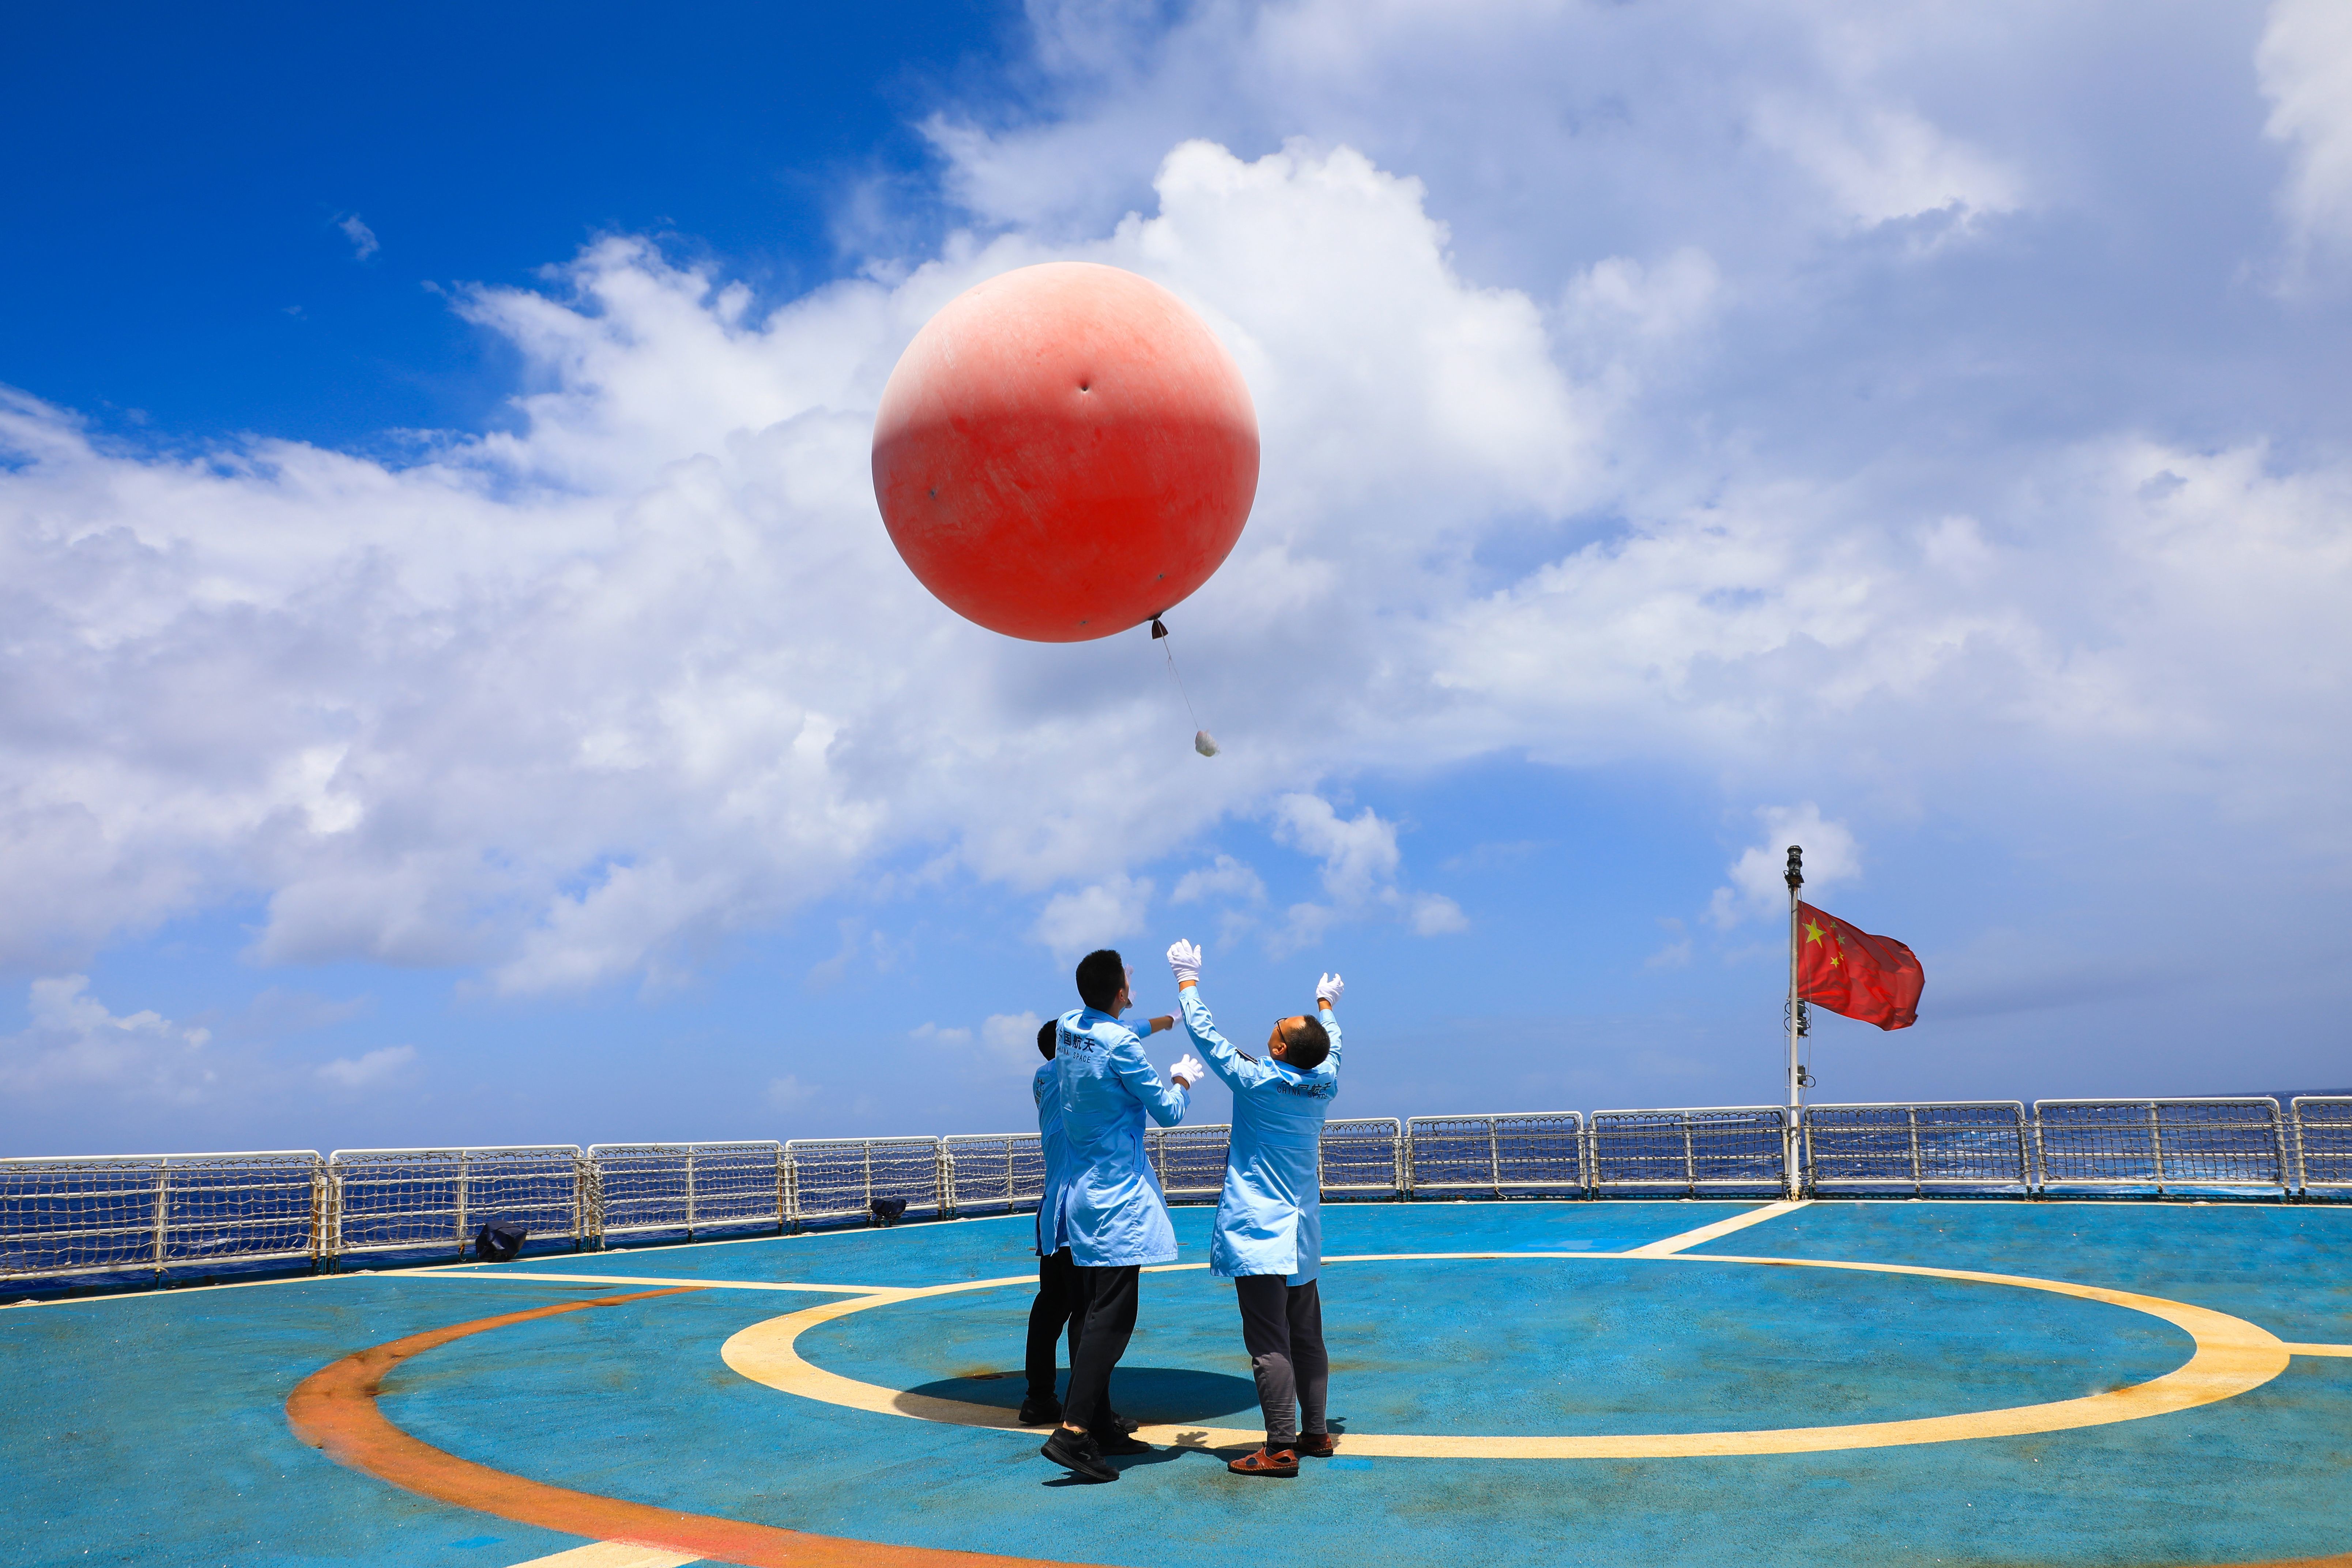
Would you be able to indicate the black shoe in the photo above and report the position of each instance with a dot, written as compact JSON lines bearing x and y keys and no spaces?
{"x":1124,"y":1422}
{"x":1111,"y":1440}
{"x":1074,"y":1452}
{"x":1036,"y":1414}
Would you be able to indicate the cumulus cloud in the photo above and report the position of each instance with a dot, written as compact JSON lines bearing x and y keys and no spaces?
{"x":1759,"y":877}
{"x":1361,"y":860}
{"x":74,"y":1042}
{"x":2304,"y":62}
{"x":789,"y":1093}
{"x":363,"y":238}
{"x":1641,"y":445}
{"x":1224,"y":879}
{"x":1094,"y":916}
{"x":369,"y":1069}
{"x":1012,"y":1038}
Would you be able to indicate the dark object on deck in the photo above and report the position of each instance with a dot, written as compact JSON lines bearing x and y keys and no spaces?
{"x":889,"y":1211}
{"x":497,"y":1242}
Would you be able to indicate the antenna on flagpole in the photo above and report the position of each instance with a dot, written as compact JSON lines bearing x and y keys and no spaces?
{"x":1791,"y":1177}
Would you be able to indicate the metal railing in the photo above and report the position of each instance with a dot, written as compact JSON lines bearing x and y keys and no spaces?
{"x":127,"y":1216}
{"x":1724,"y":1148}
{"x":2323,"y":1142}
{"x":994,"y":1171}
{"x":114,"y":1213}
{"x":1525,"y":1151}
{"x":2163,"y":1144}
{"x":839,"y":1178}
{"x":1360,"y":1157}
{"x":1188,"y":1161}
{"x":643,"y":1189}
{"x":1974,"y":1145}
{"x":434,"y":1200}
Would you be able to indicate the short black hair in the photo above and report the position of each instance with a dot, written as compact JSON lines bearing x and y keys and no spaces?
{"x":1305,"y":1044}
{"x":1045,"y":1037}
{"x":1101,"y":974}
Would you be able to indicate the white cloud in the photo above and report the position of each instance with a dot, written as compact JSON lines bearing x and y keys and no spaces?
{"x":1759,"y":877}
{"x":1012,"y":1038}
{"x":1078,"y":922}
{"x":1625,"y":459}
{"x":1434,"y":914}
{"x":1358,"y":853}
{"x":73,"y":1042}
{"x":363,"y":238}
{"x":1360,"y":861}
{"x":369,"y":1070}
{"x":788,"y":1093}
{"x":2304,"y":62}
{"x":1880,"y":164}
{"x":1225,"y":878}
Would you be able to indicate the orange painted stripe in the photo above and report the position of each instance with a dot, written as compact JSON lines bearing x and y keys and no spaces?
{"x":334,"y":1410}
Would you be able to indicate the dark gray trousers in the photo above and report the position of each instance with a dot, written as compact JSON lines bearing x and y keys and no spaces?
{"x":1060,"y":1306}
{"x":1102,"y":1339}
{"x":1283,"y":1327}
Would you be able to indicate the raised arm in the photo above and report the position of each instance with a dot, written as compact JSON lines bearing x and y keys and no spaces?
{"x":1238,"y":1071}
{"x":1164,"y":1103}
{"x":1326,"y":993}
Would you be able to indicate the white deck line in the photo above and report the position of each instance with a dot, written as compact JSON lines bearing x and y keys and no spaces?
{"x":610,"y":1554}
{"x":652,"y":1281}
{"x":1689,"y":1238}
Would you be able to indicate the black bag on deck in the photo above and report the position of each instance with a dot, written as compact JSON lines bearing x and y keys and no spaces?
{"x":497,"y":1242}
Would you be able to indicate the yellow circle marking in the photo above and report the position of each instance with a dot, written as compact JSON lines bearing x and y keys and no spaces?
{"x":2231,"y":1357}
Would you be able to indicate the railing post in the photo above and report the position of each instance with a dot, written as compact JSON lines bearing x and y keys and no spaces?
{"x":162,"y":1211}
{"x":2037,"y":1169}
{"x":318,"y":1210}
{"x":1918,"y":1186}
{"x":2155,"y":1143}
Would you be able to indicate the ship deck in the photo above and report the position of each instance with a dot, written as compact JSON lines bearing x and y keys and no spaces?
{"x":1556,"y":1383}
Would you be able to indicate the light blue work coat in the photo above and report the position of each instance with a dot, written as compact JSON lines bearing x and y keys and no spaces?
{"x":1270,"y":1218}
{"x":1112,"y":1211}
{"x":1047,"y":1087}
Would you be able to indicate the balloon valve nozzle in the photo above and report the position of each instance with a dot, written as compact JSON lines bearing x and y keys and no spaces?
{"x":1157,"y":630}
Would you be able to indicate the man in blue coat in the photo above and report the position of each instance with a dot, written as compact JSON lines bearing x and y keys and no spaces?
{"x":1060,"y":1305}
{"x":1269,"y":1233}
{"x":1111,"y":1214}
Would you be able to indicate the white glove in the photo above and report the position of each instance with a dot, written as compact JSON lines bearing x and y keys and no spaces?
{"x":1327,"y":989}
{"x":1184,"y":958}
{"x":1189,"y":1068}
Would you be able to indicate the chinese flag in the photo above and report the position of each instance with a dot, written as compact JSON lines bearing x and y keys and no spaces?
{"x":1873,"y":978}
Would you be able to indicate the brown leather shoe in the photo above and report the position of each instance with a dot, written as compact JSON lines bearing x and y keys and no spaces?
{"x":1266,"y":1462}
{"x":1318,"y":1445}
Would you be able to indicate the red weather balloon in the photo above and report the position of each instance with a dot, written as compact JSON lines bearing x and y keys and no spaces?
{"x":1063,"y":452}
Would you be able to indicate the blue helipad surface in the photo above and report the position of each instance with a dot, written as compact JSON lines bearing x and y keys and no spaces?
{"x":153,"y":1429}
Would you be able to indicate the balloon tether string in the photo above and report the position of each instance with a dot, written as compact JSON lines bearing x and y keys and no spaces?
{"x":1160,"y":635}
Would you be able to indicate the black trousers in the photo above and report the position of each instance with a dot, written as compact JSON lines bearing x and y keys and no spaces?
{"x":1102,"y":1339}
{"x":1060,"y":1305}
{"x":1283,"y":1327}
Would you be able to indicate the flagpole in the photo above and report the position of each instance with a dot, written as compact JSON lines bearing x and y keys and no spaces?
{"x":1795,"y":878}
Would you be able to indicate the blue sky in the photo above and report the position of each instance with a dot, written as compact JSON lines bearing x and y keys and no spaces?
{"x":457,"y":688}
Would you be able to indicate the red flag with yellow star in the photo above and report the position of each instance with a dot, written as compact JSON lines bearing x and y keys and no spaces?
{"x":1873,"y":978}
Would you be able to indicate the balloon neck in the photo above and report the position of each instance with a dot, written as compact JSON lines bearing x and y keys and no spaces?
{"x":1158,"y":631}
